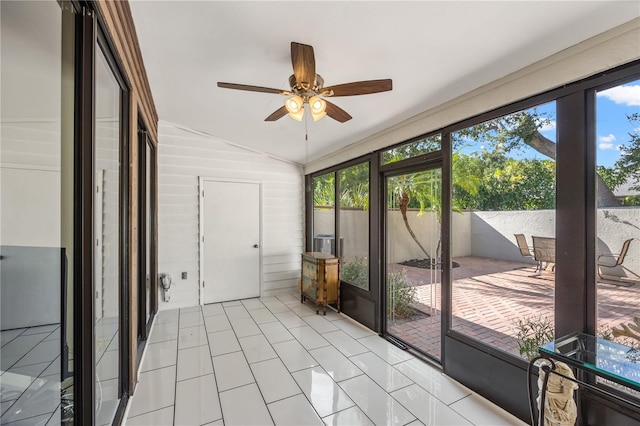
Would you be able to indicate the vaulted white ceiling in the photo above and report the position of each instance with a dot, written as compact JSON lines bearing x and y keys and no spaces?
{"x":433,"y":50}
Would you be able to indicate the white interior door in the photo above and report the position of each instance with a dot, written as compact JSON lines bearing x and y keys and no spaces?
{"x":231,"y":243}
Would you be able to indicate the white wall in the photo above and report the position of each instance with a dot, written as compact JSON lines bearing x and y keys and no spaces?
{"x":183,"y":157}
{"x":488,"y":234}
{"x":492,"y":233}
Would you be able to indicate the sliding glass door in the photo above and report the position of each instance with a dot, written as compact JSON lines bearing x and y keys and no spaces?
{"x":109,"y":272}
{"x":38,"y":236}
{"x":413,"y":259}
{"x":147,"y":275}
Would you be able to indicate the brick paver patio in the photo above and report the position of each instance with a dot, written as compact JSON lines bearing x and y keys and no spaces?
{"x":489,"y":295}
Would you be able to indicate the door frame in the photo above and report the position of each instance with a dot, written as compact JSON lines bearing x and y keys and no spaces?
{"x":201,"y":236}
{"x":146,"y":175}
{"x":397,"y":169}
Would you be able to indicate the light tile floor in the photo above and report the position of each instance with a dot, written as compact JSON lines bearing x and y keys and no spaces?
{"x":274,"y":361}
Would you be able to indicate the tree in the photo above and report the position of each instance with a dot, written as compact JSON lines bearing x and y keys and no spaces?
{"x":628,"y":165}
{"x":509,"y":132}
{"x":506,"y":183}
{"x":629,"y":162}
{"x":421,"y":187}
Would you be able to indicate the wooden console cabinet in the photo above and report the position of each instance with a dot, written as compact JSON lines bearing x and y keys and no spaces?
{"x":320,"y":280}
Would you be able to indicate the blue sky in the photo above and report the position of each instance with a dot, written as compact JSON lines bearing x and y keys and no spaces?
{"x":613,"y":127}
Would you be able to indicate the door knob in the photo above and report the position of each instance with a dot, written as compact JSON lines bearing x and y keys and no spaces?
{"x":255,"y":246}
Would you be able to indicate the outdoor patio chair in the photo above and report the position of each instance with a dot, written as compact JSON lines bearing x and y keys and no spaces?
{"x":525,"y":250}
{"x":615,"y":260}
{"x":544,"y":251}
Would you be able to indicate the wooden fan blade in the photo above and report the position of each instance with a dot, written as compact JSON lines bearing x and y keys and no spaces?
{"x":304,"y":64}
{"x":252,"y":88}
{"x":277,"y":114}
{"x":337,"y":113}
{"x":358,"y":88}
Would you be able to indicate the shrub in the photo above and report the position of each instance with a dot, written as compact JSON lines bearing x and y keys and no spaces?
{"x":356,"y":272}
{"x":400,"y":295}
{"x":532,"y":332}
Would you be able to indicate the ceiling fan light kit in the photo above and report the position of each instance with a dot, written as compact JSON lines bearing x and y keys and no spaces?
{"x":295,"y":107}
{"x":307,"y":88}
{"x":318,"y":107}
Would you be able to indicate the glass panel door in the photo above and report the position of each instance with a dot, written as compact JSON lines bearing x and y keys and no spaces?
{"x":413,"y":253}
{"x":37,"y":212}
{"x":354,"y":225}
{"x":107,"y":231}
{"x":324,"y":213}
{"x":618,"y":214}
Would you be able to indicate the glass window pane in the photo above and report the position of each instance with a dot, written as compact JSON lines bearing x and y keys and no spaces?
{"x":618,"y":216}
{"x":413,"y":259}
{"x":503,"y":230}
{"x":324,"y":220}
{"x":354,"y":225}
{"x":412,"y":149}
{"x":37,"y":211}
{"x":107,"y":249}
{"x":147,"y":232}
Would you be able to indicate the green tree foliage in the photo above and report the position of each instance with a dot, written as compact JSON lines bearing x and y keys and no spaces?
{"x":629,"y":162}
{"x":412,"y":149}
{"x":422,"y":189}
{"x":628,"y":165}
{"x":505,"y":183}
{"x":354,"y":188}
{"x":324,"y":191}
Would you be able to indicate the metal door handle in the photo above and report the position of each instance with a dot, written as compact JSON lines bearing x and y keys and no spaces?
{"x":255,"y":246}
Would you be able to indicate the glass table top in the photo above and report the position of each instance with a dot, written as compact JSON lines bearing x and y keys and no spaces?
{"x":605,"y":358}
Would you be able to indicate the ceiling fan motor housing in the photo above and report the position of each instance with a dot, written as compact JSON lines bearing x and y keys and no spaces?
{"x":306,"y":93}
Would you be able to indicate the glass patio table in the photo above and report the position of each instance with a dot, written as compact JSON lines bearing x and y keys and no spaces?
{"x":597,"y":362}
{"x":604,"y":358}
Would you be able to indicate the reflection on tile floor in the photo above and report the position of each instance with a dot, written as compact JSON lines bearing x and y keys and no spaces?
{"x":30,"y":375}
{"x":30,"y":388}
{"x":274,"y":361}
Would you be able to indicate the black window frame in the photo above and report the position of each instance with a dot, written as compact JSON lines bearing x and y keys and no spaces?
{"x":575,"y":299}
{"x":146,"y":147}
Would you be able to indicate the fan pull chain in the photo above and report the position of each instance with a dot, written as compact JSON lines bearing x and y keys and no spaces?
{"x":306,"y":127}
{"x":306,"y":150}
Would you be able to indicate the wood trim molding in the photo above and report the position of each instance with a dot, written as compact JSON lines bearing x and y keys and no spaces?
{"x":121,"y":29}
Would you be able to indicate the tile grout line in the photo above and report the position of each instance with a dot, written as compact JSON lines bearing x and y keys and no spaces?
{"x":175,"y":385}
{"x":289,"y":372}
{"x":213,"y":367}
{"x":286,"y":369}
{"x":245,"y":357}
{"x":307,"y":351}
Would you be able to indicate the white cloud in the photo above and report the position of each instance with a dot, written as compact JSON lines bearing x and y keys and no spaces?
{"x":605,"y":145}
{"x":626,"y":95}
{"x":608,"y":139}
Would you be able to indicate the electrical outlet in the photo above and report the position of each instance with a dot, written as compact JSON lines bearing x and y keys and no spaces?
{"x":184,"y":275}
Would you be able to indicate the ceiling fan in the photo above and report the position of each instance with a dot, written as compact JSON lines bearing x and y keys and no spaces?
{"x":307,"y":88}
